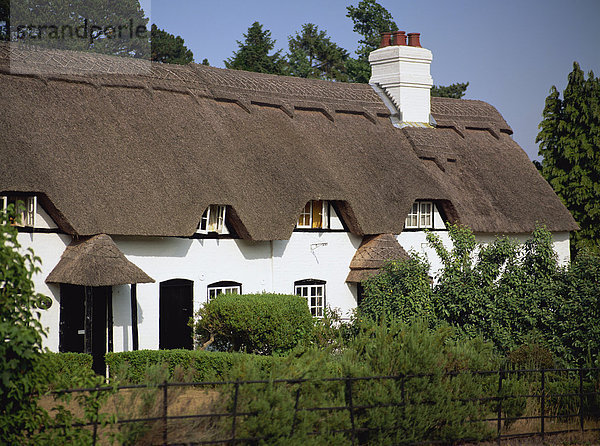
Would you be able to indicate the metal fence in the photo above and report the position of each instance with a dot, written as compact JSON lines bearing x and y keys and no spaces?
{"x":555,"y":401}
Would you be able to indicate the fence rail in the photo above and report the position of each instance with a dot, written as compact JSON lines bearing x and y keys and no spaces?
{"x":583,"y":404}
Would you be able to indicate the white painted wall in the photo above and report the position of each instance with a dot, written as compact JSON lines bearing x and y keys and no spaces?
{"x":416,"y":241}
{"x":49,"y":248}
{"x":259,"y":266}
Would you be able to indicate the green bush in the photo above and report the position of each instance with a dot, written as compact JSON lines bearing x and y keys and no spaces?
{"x":531,"y":356}
{"x":199,"y":365}
{"x":20,"y":337}
{"x":440,"y":407}
{"x":402,"y":290}
{"x":254,"y":323}
{"x":573,"y":323}
{"x":63,"y":369}
{"x":503,"y":291}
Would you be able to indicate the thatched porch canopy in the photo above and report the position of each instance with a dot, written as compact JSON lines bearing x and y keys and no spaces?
{"x":372,"y":254}
{"x":96,"y":261}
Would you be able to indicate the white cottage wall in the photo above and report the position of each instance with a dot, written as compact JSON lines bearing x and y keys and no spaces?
{"x":49,"y":248}
{"x":258,"y":266}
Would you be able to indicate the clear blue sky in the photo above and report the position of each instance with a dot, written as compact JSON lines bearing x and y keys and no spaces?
{"x":511,"y":51}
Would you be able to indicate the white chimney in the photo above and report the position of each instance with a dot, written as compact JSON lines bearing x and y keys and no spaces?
{"x":401,"y":72}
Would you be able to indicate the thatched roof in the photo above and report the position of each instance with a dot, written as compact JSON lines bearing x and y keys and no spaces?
{"x":125,"y":147}
{"x":96,"y":261}
{"x":372,"y":254}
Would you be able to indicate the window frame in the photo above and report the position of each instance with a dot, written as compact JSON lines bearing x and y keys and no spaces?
{"x":416,"y":213}
{"x":217,"y":213}
{"x":222,"y":287}
{"x":29,"y":213}
{"x":325,"y":215}
{"x":309,"y":285}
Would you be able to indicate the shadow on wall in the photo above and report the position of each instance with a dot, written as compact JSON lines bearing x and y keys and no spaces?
{"x":260,"y":250}
{"x":154,"y":247}
{"x":122,"y":315}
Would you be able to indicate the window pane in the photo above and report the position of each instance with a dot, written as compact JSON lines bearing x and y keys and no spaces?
{"x":425,"y":215}
{"x":213,"y":218}
{"x":317,"y":214}
{"x":304,"y":220}
{"x":204,"y":219}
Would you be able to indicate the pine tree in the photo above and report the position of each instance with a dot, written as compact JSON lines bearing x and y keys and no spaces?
{"x":253,"y":53}
{"x":569,"y":140}
{"x":455,"y":91}
{"x":370,"y":20}
{"x":313,"y":55}
{"x":167,"y":48}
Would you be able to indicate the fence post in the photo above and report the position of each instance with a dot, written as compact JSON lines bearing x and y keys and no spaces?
{"x":581,"y":399}
{"x":543,"y":402}
{"x":500,"y":377}
{"x":234,"y":413}
{"x":350,"y":406}
{"x":164,"y":414}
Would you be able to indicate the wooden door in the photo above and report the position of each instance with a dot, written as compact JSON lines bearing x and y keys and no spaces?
{"x":176,"y":309}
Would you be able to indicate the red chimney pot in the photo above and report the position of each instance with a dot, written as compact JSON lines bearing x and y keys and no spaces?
{"x":414,"y":39}
{"x":399,"y":38}
{"x":385,"y":40}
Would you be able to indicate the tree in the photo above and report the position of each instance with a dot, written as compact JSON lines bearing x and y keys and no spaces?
{"x":167,"y":48}
{"x":101,"y":26}
{"x":4,"y":19}
{"x":370,"y":20}
{"x":253,"y":53}
{"x":455,"y":91}
{"x":569,"y":141}
{"x":21,"y":336}
{"x":313,"y":55}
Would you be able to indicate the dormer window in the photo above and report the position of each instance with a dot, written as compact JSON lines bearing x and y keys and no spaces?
{"x":25,"y":208}
{"x":315,"y":215}
{"x":420,"y":216}
{"x":213,"y":219}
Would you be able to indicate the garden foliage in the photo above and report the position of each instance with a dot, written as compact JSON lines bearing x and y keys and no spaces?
{"x":254,"y":323}
{"x":132,"y":367}
{"x":421,"y":357}
{"x":507,"y":292}
{"x":20,"y":337}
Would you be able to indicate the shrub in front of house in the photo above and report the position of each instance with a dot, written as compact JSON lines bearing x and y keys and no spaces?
{"x":133,"y":367}
{"x":422,"y":390}
{"x":254,"y":323}
{"x":64,"y":369}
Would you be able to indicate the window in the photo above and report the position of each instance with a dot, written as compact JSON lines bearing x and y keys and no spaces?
{"x":314,"y":293}
{"x":223,"y":287}
{"x":315,"y":215}
{"x":25,"y":208}
{"x":420,"y":215}
{"x":213,"y":219}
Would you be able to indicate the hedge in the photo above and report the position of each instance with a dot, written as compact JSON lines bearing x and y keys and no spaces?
{"x":64,"y":369}
{"x":201,"y":365}
{"x":255,"y":323}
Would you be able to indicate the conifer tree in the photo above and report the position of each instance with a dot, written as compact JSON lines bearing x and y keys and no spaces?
{"x":314,"y":55}
{"x":167,"y":48}
{"x":569,"y":141}
{"x":253,"y":53}
{"x":370,"y":20}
